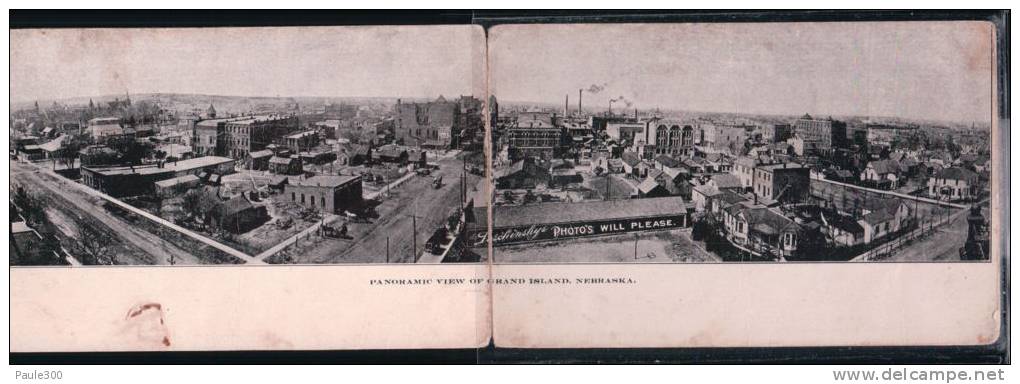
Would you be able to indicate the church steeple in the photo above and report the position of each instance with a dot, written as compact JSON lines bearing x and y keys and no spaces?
{"x":210,"y":112}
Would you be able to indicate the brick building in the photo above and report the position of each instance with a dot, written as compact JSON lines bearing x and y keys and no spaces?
{"x":820,"y":135}
{"x":533,"y":135}
{"x":328,"y":193}
{"x":429,"y":124}
{"x":254,"y":133}
{"x":787,"y":182}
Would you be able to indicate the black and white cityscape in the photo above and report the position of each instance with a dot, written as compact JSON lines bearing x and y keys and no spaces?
{"x":608,"y":144}
{"x":749,"y":143}
{"x":110,"y":168}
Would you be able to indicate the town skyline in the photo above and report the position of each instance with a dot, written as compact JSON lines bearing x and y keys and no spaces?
{"x":817,"y":114}
{"x":83,"y":100}
{"x":866,"y":71}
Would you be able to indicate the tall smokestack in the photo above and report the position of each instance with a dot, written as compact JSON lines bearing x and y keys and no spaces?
{"x":566,"y":105}
{"x":580,"y":95}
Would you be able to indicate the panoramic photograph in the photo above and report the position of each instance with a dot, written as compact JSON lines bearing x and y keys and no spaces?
{"x":246,"y":145}
{"x":764,"y":142}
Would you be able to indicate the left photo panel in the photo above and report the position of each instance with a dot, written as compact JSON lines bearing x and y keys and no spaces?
{"x":247,"y":146}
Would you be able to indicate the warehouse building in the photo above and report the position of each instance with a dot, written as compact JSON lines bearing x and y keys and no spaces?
{"x":123,"y":181}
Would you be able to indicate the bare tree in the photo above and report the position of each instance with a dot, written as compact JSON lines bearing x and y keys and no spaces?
{"x":93,"y":247}
{"x":197,"y":203}
{"x":69,"y":153}
{"x":31,"y":207}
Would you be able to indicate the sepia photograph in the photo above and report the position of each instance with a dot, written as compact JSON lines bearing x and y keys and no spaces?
{"x":247,"y":146}
{"x":754,"y":142}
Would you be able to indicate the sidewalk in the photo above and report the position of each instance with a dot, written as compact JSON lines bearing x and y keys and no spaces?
{"x":293,"y":239}
{"x":897,"y":194}
{"x":394,"y":184}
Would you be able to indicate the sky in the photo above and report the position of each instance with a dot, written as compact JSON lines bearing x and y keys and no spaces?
{"x":299,"y":61}
{"x":921,"y":70}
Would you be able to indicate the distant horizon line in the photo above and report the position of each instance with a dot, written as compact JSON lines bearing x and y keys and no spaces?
{"x":778,"y":114}
{"x":115,"y":95}
{"x":544,"y":103}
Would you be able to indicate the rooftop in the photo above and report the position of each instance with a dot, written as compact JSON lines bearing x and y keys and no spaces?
{"x":647,"y":185}
{"x":104,"y":121}
{"x":545,"y":213}
{"x":177,"y":180}
{"x":631,"y":158}
{"x":213,"y":122}
{"x":730,"y":197}
{"x":331,"y":181}
{"x":260,"y":154}
{"x":957,"y":173}
{"x":281,"y":160}
{"x":53,"y":145}
{"x":885,"y":166}
{"x":19,"y":227}
{"x":667,"y":161}
{"x":706,"y":189}
{"x":198,"y":162}
{"x":726,"y":180}
{"x":258,"y":119}
{"x":771,"y":167}
{"x":300,"y":135}
{"x":877,"y":217}
{"x":177,"y":166}
{"x":233,"y":206}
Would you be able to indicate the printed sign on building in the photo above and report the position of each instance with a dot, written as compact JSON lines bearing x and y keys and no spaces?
{"x":558,"y":231}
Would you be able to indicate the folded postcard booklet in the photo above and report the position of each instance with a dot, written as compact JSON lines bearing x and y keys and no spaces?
{"x":533,"y":186}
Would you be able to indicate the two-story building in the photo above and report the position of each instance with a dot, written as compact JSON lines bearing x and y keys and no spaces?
{"x":954,"y":184}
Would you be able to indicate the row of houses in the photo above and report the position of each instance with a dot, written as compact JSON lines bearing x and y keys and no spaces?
{"x":283,"y":160}
{"x":779,"y":230}
{"x":952,"y":183}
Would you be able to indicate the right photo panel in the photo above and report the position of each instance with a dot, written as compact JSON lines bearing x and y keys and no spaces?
{"x":741,"y":143}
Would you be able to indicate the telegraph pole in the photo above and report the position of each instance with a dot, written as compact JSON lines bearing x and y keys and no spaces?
{"x":414,"y":231}
{"x":170,"y":259}
{"x":414,"y":246}
{"x":635,"y":246}
{"x":463,"y":176}
{"x":608,"y":180}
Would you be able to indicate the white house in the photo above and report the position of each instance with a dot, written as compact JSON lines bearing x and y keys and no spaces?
{"x":953,"y":184}
{"x":882,"y":172}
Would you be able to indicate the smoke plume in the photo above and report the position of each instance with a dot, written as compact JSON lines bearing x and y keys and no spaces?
{"x":596,"y":88}
{"x":621,"y":99}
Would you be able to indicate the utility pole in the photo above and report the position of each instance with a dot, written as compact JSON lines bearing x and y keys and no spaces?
{"x":608,"y":180}
{"x":414,"y":246}
{"x":414,"y":231}
{"x":170,"y":259}
{"x":916,"y":197}
{"x":635,"y":246}
{"x":463,"y":189}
